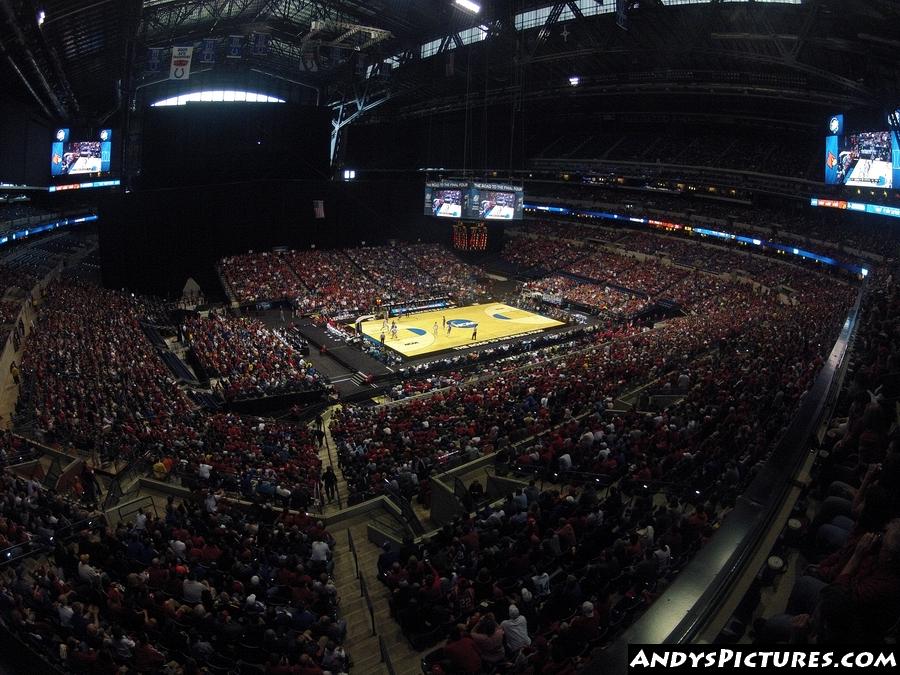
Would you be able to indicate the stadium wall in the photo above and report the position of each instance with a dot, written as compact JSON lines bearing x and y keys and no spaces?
{"x":207,"y":143}
{"x":153,"y":240}
{"x":26,"y":146}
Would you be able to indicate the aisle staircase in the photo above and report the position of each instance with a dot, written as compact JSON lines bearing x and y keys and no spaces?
{"x":369,"y":647}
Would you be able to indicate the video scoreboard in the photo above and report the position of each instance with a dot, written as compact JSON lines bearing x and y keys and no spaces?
{"x":81,"y":155}
{"x":861,"y":158}
{"x":470,"y":200}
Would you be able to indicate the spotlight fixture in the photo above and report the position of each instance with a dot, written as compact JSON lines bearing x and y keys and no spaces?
{"x":41,"y":17}
{"x":468,"y":5}
{"x":574,"y":80}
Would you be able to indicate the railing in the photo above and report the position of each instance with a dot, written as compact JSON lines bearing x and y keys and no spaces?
{"x":38,"y":546}
{"x":385,"y":656}
{"x":128,"y":509}
{"x":353,"y":551}
{"x":13,"y":554}
{"x":135,"y":469}
{"x":364,"y":593}
{"x":26,"y":454}
{"x":409,"y":517}
{"x":462,"y":494}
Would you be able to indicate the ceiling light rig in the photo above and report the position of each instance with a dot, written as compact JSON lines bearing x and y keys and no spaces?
{"x":468,"y":5}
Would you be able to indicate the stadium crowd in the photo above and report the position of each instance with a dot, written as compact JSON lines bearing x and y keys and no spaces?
{"x":461,"y":280}
{"x":92,"y":379}
{"x":478,"y":577}
{"x":533,"y":583}
{"x":626,"y":272}
{"x":399,"y":442}
{"x":253,"y":277}
{"x":817,"y":228}
{"x":249,"y":359}
{"x":543,"y":253}
{"x":339,"y":282}
{"x":16,"y":276}
{"x":202,"y":589}
{"x":847,"y":587}
{"x":600,"y":299}
{"x":398,"y":277}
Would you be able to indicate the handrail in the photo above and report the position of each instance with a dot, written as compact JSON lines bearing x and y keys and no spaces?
{"x":407,"y":514}
{"x":353,"y":551}
{"x":364,"y":593}
{"x":38,"y":546}
{"x":691,"y":600}
{"x":13,"y":554}
{"x":385,"y":656}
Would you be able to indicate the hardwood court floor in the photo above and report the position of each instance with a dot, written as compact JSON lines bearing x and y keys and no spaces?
{"x":496,"y":322}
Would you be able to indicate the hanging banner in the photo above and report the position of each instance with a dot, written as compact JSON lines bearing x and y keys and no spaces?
{"x":259,"y":44}
{"x":235,"y":47}
{"x":208,"y":54}
{"x":181,"y":63}
{"x":154,"y":59}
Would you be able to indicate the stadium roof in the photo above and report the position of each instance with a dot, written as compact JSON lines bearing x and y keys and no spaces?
{"x":81,"y":59}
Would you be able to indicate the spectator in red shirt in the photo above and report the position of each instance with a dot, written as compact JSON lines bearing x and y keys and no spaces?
{"x":461,"y":653}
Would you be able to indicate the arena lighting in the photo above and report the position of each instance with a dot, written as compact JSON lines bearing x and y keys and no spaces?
{"x":473,"y":7}
{"x":41,"y":17}
{"x":349,"y":174}
{"x":574,"y":80}
{"x":37,"y":229}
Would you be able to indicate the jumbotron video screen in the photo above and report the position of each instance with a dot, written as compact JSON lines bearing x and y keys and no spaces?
{"x":869,"y":159}
{"x":474,"y":201}
{"x":80,"y":157}
{"x":497,"y":205}
{"x":447,"y":203}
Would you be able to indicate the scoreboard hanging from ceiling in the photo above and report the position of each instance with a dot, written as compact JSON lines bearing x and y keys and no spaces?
{"x":468,"y":200}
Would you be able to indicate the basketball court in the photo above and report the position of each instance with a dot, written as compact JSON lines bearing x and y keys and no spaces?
{"x":86,"y":165}
{"x":871,"y":173}
{"x":495,"y":322}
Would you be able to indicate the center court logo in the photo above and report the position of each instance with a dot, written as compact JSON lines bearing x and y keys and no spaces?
{"x":462,"y":323}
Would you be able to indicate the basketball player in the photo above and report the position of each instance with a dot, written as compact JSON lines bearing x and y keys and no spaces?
{"x":394,"y":330}
{"x":435,"y":329}
{"x":444,"y":320}
{"x":449,"y":327}
{"x":475,"y":332}
{"x":384,"y":325}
